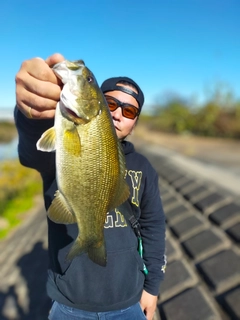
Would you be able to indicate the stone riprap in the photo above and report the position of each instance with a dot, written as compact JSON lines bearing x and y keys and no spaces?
{"x":202,"y":279}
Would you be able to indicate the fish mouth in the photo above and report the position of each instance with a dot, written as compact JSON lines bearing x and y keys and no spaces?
{"x":71,"y":112}
{"x":71,"y":115}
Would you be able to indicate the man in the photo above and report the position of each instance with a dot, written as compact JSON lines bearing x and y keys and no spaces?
{"x":81,"y":289}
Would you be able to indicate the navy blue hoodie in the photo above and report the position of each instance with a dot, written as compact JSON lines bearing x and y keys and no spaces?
{"x":81,"y":283}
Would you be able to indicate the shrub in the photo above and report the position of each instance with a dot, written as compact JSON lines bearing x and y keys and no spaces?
{"x":18,"y":186}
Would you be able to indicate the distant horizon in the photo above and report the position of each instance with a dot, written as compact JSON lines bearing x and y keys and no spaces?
{"x":162,"y":96}
{"x":6,"y":114}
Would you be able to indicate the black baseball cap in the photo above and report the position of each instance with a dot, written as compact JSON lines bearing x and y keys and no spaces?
{"x":111,"y":84}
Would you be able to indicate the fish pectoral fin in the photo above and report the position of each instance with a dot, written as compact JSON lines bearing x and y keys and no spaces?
{"x":59,"y":211}
{"x":47,"y":142}
{"x":72,"y":142}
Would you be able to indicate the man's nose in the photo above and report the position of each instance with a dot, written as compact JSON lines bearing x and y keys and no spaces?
{"x":117,"y":114}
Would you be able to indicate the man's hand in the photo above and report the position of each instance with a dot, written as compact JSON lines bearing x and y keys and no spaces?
{"x":38,"y":88}
{"x":148,"y":303}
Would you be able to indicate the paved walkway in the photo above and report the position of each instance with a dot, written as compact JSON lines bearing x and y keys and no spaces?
{"x":203,"y":234}
{"x":202,"y":208}
{"x":23,"y":265}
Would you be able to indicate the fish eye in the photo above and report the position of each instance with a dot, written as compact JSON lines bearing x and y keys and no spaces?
{"x":90,"y":79}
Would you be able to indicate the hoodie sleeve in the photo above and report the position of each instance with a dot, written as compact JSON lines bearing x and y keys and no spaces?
{"x":29,"y":131}
{"x":152,"y":221}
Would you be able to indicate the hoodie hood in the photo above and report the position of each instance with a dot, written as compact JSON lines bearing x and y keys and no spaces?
{"x":128,"y":147}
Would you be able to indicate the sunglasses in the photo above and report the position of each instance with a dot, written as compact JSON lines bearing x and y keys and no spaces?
{"x":128,"y":110}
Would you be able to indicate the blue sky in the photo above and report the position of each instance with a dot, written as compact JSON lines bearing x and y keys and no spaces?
{"x":182,"y":46}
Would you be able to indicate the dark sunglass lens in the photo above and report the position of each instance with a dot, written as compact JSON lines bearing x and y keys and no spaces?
{"x":111,"y":104}
{"x":129,"y":112}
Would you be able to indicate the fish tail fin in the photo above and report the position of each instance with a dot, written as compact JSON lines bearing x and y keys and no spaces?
{"x":98,"y":254}
{"x":78,"y":248}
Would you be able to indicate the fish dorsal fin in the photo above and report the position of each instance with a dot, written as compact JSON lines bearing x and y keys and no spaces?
{"x":59,"y":211}
{"x":122,"y":192}
{"x":47,"y":142}
{"x":121,"y":195}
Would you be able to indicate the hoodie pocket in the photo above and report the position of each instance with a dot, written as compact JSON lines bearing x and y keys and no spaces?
{"x":85,"y":283}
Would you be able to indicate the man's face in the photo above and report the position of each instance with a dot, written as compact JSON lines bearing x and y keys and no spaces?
{"x":123,"y":125}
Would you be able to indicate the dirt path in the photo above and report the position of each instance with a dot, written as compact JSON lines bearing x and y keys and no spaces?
{"x":223,"y":152}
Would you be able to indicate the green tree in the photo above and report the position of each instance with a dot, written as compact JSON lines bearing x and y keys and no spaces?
{"x":206,"y":118}
{"x":173,"y":116}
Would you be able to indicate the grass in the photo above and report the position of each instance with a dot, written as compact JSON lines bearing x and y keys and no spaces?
{"x":18,"y":188}
{"x":8,"y":131}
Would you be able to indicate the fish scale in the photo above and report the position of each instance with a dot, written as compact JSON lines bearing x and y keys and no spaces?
{"x":89,"y":160}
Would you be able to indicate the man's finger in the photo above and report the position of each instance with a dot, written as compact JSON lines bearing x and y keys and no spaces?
{"x":32,"y":113}
{"x":54,"y":58}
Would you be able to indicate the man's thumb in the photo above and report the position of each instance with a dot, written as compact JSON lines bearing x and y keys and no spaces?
{"x":55,"y":58}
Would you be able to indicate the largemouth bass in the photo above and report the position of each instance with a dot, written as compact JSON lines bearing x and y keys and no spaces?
{"x":90,"y":164}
